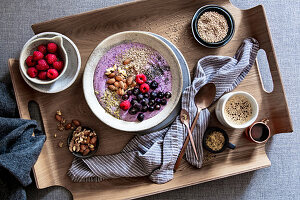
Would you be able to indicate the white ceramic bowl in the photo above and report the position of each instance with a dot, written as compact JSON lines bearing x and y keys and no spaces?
{"x":101,"y":49}
{"x":220,"y":109}
{"x":71,"y":73}
{"x":30,"y":47}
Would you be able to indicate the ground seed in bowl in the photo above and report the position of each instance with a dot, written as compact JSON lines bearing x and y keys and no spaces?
{"x":212,"y":27}
{"x":215,"y":141}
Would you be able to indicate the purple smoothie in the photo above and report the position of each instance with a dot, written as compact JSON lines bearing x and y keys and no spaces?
{"x":145,"y":60}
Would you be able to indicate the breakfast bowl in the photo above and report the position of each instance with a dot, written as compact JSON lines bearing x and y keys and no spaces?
{"x":31,"y":47}
{"x":83,"y":142}
{"x":212,"y":26}
{"x":99,"y":82}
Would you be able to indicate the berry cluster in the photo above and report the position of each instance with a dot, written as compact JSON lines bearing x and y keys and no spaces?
{"x":44,"y":63}
{"x":143,"y":101}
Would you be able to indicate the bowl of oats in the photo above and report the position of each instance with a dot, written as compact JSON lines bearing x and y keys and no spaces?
{"x":212,"y":26}
{"x":132,"y":81}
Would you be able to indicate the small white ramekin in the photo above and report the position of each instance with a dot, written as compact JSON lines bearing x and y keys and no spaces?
{"x":220,"y":109}
{"x":31,"y":46}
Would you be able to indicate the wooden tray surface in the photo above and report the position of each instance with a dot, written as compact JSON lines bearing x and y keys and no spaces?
{"x":171,"y":19}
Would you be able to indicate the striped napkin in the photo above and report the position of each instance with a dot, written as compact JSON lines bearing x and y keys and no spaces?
{"x":155,"y":154}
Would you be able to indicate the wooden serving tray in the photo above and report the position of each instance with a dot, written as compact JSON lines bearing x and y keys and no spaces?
{"x":171,"y":19}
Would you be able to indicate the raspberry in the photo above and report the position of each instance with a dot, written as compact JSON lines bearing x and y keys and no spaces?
{"x":58,"y":65}
{"x":51,"y":58}
{"x":52,"y":47}
{"x":140,"y":78}
{"x":52,"y":73}
{"x":32,"y":72}
{"x":125,"y":105}
{"x":42,"y":75}
{"x":42,"y":48}
{"x":42,"y":65}
{"x":144,"y":88}
{"x":37,"y":55}
{"x":29,"y":61}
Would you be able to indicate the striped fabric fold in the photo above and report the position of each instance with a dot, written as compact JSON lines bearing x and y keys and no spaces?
{"x":155,"y":154}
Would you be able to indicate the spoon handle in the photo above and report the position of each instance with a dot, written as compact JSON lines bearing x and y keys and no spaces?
{"x":192,"y":140}
{"x":182,"y":152}
{"x":195,"y":120}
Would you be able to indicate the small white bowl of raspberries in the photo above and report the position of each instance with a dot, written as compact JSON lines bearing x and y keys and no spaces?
{"x":44,"y":60}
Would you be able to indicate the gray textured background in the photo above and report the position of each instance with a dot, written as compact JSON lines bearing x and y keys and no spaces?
{"x":280,"y":181}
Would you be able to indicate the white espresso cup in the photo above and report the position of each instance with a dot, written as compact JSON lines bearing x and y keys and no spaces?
{"x":229,"y":121}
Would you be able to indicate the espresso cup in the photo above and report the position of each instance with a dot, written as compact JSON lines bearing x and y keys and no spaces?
{"x":258,"y":132}
{"x":246,"y":100}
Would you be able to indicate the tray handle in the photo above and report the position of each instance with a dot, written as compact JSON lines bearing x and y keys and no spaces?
{"x":280,"y":117}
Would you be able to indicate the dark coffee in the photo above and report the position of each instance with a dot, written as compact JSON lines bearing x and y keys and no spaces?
{"x":259,"y":132}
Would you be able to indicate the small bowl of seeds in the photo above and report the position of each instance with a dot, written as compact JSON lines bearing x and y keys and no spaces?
{"x":83,"y":142}
{"x":212,"y":26}
{"x":215,"y":140}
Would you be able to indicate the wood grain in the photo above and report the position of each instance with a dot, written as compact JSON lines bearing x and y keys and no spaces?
{"x":171,"y":19}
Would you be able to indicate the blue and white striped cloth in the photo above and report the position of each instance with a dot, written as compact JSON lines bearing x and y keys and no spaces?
{"x":155,"y":154}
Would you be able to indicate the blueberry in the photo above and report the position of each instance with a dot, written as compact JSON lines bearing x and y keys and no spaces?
{"x":140,"y":117}
{"x":125,"y":96}
{"x":140,"y":97}
{"x":157,"y":107}
{"x":146,"y":95}
{"x":133,"y":101}
{"x":160,"y":95}
{"x":163,"y":102}
{"x":144,"y":109}
{"x":144,"y":102}
{"x":129,"y":92}
{"x":153,"y":95}
{"x":132,"y":111}
{"x":168,"y":95}
{"x":138,"y":106}
{"x":158,"y":101}
{"x":135,"y":91}
{"x":153,"y":85}
{"x":151,"y":108}
{"x":151,"y":102}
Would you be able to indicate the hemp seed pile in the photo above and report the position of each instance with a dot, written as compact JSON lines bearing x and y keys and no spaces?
{"x":212,"y":27}
{"x":215,"y":141}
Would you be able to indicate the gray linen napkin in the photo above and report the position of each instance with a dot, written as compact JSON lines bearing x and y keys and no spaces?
{"x":19,"y":150}
{"x":155,"y":154}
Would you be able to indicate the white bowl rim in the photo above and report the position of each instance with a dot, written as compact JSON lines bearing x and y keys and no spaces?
{"x":22,"y":66}
{"x":36,"y":87}
{"x":253,"y":103}
{"x":117,"y":123}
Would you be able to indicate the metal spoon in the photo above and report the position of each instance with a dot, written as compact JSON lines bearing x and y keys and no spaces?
{"x":185,"y":119}
{"x":203,"y":99}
